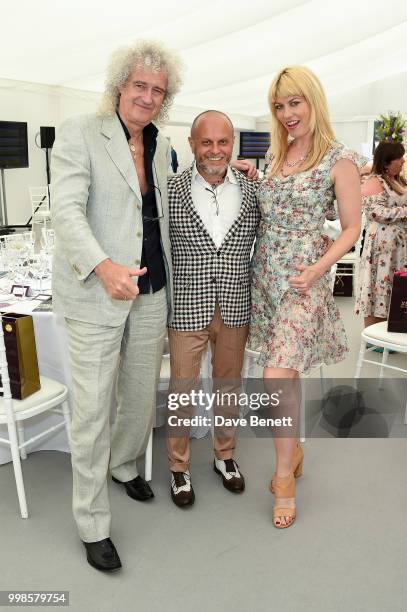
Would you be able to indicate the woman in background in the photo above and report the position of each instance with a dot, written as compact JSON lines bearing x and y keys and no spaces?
{"x":385,"y":248}
{"x":295,"y":323}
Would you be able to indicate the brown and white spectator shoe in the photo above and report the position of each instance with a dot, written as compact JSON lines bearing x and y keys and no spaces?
{"x":182,"y":493}
{"x":232,"y":478}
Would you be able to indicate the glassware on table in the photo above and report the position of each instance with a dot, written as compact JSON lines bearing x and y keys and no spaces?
{"x":48,"y":238}
{"x":4,"y":263}
{"x":16,"y":252}
{"x":39,"y":269}
{"x":47,"y":244}
{"x":29,"y":241}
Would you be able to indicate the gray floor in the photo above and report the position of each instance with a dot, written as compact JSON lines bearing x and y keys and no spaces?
{"x":346,"y":552}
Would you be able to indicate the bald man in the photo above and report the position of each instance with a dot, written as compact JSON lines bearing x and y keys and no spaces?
{"x":213,"y":222}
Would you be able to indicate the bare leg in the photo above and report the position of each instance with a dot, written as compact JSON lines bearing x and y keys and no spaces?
{"x":285,"y":447}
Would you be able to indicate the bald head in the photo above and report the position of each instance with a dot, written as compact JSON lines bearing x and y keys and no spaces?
{"x":210,"y":115}
{"x":211,"y":142}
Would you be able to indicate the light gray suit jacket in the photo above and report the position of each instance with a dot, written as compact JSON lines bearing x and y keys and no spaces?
{"x":96,"y":211}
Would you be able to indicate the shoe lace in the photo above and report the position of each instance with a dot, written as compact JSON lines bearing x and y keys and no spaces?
{"x":181,"y":479}
{"x":230,"y":465}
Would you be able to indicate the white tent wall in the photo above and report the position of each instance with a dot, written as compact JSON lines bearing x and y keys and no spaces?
{"x":354,"y":133}
{"x":373,"y":99}
{"x":38,"y":105}
{"x":35,"y":105}
{"x":351,"y":132}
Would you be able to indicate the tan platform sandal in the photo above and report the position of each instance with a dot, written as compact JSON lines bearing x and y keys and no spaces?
{"x":298,"y":459}
{"x":284,"y":487}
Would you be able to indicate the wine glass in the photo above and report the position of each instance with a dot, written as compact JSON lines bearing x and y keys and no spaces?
{"x":47,"y":244}
{"x":17,"y":255}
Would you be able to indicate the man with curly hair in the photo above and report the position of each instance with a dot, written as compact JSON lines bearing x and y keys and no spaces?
{"x":111,"y":278}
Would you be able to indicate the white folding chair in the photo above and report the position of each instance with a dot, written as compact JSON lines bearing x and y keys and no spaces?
{"x":377,"y":335}
{"x":162,"y":386}
{"x":51,"y":397}
{"x":39,"y":198}
{"x":349,"y":264}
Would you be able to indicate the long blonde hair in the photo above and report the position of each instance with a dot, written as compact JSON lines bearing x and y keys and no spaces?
{"x":299,"y":81}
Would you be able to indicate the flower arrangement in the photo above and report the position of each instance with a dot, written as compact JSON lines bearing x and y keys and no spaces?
{"x":392,"y":127}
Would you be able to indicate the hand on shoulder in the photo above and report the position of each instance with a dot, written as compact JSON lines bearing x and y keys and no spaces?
{"x":245,"y":166}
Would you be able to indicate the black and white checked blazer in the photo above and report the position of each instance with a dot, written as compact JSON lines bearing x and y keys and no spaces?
{"x":203,"y":274}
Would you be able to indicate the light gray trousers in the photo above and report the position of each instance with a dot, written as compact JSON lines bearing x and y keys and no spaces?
{"x":108,"y":363}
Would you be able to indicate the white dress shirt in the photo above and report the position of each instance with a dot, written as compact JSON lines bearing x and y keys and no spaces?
{"x":218,"y":206}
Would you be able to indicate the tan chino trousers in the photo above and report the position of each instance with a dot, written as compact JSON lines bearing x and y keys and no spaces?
{"x":187,"y":349}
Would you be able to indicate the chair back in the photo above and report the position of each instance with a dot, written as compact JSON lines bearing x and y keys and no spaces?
{"x":39,"y":198}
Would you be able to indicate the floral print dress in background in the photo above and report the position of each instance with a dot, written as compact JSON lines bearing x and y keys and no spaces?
{"x":384,"y":251}
{"x":293,"y":330}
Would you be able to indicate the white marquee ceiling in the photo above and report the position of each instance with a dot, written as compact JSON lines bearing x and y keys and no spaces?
{"x":231,"y":48}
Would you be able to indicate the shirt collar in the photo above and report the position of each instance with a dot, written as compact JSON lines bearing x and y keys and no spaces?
{"x":229,"y":178}
{"x":149,"y":132}
{"x":149,"y":138}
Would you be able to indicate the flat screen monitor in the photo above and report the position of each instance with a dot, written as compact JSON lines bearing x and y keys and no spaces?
{"x":13,"y":144}
{"x":254,"y":144}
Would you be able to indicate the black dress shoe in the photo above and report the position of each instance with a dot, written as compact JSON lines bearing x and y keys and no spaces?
{"x":103,"y":555}
{"x":137,"y":488}
{"x":232,"y":478}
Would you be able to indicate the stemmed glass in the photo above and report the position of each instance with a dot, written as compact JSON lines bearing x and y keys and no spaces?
{"x":28,"y":238}
{"x":16,"y":252}
{"x":4,"y":263}
{"x":47,"y":244}
{"x":38,"y":268}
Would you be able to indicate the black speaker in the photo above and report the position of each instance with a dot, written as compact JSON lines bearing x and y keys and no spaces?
{"x":47,"y":137}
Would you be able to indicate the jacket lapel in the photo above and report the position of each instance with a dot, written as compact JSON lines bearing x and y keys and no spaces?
{"x":119,"y":152}
{"x":248,"y":202}
{"x":187,"y":202}
{"x":160,"y":175}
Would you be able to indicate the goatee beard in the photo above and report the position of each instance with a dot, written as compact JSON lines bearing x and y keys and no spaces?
{"x":221,"y":171}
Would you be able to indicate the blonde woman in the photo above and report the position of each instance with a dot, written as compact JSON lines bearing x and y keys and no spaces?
{"x":295,"y":321}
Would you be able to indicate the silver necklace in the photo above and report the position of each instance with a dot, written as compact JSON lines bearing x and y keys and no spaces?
{"x":297,"y":162}
{"x":135,"y":153}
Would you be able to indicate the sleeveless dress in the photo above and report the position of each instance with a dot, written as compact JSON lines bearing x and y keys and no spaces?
{"x":384,"y":251}
{"x":293,"y":330}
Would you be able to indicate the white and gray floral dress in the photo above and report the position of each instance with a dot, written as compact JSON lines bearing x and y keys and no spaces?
{"x":294,"y":330}
{"x":384,"y":250}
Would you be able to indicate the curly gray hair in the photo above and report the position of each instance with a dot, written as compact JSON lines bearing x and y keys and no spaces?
{"x":149,"y":54}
